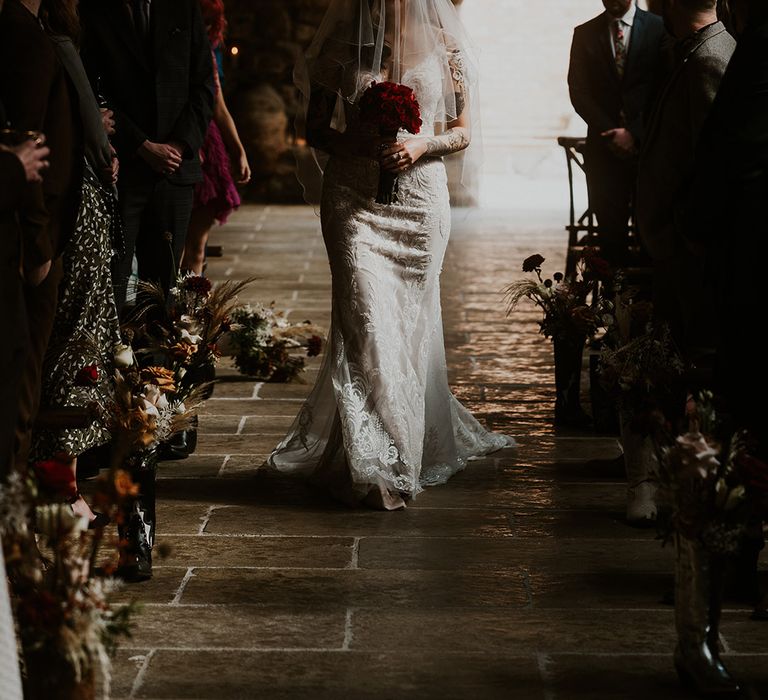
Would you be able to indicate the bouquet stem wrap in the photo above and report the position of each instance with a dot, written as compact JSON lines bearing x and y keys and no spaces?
{"x":390,"y":107}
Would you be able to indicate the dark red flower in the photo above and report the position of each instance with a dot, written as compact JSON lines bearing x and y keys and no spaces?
{"x":56,"y":477}
{"x":314,"y":346}
{"x":41,"y":612}
{"x":533,"y":262}
{"x":754,"y":472}
{"x":87,"y":376}
{"x":599,"y":267}
{"x":198,"y":285}
{"x":390,"y":107}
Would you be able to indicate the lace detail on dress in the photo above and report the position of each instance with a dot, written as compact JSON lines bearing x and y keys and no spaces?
{"x":458,"y":70}
{"x":382,"y":411}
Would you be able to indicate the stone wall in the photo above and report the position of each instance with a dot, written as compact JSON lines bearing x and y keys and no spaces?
{"x":268,"y":35}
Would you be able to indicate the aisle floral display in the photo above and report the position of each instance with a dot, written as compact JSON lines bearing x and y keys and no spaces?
{"x":61,"y":581}
{"x":263,"y":343}
{"x":183,"y":335}
{"x":713,"y":481}
{"x":714,"y":490}
{"x":573,"y":311}
{"x":68,"y":626}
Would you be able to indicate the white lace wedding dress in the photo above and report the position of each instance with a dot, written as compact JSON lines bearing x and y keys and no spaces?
{"x":382,"y":414}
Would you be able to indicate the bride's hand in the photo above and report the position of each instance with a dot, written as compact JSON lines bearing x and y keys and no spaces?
{"x":401,"y":156}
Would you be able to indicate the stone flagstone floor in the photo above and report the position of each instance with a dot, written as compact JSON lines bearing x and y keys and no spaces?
{"x":518,"y":579}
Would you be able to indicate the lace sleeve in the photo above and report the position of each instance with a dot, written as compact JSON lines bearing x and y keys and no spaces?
{"x":458,"y":73}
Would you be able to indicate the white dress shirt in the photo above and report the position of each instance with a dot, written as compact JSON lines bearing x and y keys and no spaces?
{"x":627,"y":20}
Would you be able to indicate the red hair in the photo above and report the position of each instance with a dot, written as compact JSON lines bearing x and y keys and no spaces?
{"x":215,"y":22}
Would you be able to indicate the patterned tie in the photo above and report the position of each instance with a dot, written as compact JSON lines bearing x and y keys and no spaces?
{"x":621,"y":47}
{"x":140,"y":18}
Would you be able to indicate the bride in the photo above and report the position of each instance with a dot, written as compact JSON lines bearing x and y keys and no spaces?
{"x":381,"y":422}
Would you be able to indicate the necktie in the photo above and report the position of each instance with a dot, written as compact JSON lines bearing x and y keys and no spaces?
{"x":620,"y":42}
{"x":140,"y":19}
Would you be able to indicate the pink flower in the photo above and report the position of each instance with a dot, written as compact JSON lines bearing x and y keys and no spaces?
{"x":697,"y":456}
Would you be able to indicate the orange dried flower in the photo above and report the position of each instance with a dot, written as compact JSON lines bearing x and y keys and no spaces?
{"x":124,"y":484}
{"x":161,"y":377}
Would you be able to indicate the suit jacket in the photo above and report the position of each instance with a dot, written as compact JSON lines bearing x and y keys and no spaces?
{"x":598,"y":94}
{"x":161,"y":94}
{"x":12,"y":187}
{"x":672,"y":136}
{"x":727,"y":204}
{"x":38,"y":95}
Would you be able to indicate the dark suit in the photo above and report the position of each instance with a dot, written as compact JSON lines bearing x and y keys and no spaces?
{"x":727,"y":219}
{"x":38,"y":95}
{"x":162,"y":93}
{"x":12,"y":312}
{"x":607,"y":101}
{"x":666,"y":168}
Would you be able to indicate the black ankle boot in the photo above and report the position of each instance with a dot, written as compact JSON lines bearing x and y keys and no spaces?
{"x":137,"y":533}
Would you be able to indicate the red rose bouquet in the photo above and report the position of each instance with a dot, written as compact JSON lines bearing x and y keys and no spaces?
{"x":390,"y":107}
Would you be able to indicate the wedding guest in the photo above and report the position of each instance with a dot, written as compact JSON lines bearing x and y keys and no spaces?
{"x":39,"y":96}
{"x":725,"y":218}
{"x":151,"y":60}
{"x":702,"y":52}
{"x":19,"y":165}
{"x":615,"y":59}
{"x":726,"y":213}
{"x":700,"y":56}
{"x":216,"y":196}
{"x":86,"y":330}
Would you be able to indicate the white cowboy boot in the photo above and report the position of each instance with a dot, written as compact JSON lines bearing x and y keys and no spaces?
{"x":641,"y":465}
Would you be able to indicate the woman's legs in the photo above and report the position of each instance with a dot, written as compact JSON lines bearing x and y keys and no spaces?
{"x":200,"y":225}
{"x":80,"y":507}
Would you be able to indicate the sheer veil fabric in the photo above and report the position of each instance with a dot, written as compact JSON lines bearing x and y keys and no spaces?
{"x":381,"y":420}
{"x":358,"y":37}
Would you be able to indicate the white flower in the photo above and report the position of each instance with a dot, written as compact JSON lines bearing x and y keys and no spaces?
{"x":156,"y":397}
{"x":189,"y":339}
{"x":149,"y":407}
{"x":123,"y":356}
{"x":697,"y":454}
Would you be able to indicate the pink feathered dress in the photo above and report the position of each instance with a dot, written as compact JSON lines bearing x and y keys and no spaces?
{"x":218,"y":186}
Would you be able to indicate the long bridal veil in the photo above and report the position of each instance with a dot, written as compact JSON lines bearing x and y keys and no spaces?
{"x":358,"y":37}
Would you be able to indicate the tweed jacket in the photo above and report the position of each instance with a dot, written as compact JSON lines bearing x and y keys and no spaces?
{"x":162,"y":92}
{"x":673,"y":133}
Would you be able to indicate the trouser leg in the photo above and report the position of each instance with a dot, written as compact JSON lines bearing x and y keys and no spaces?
{"x":41,"y":302}
{"x":160,"y":244}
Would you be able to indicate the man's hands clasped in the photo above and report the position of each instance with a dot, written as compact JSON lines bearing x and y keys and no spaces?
{"x":163,"y":158}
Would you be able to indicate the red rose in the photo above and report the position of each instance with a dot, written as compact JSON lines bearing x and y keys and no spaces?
{"x":56,"y":477}
{"x":87,"y":376}
{"x":198,"y":285}
{"x":390,"y":107}
{"x":314,"y":346}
